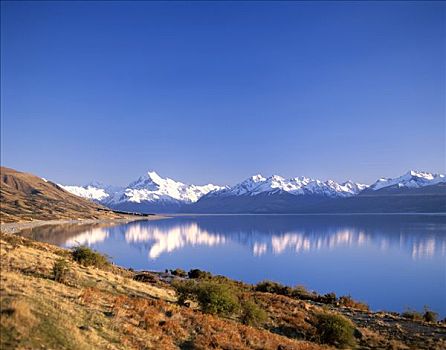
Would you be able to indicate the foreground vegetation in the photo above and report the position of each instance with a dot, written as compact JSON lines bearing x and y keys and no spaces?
{"x":60,"y":299}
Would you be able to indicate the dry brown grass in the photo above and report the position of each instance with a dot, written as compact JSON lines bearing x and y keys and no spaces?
{"x":347,"y":301}
{"x":18,"y":315}
{"x":106,"y":309}
{"x":26,"y":197}
{"x":150,"y":322}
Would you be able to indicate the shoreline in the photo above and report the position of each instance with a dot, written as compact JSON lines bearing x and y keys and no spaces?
{"x":29,"y":273}
{"x":307,"y":214}
{"x":16,"y":227}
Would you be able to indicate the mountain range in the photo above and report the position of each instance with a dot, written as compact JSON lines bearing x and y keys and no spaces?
{"x":26,"y":197}
{"x":414,"y":191}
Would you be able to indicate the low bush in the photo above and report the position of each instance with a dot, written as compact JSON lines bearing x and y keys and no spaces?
{"x":347,"y":301}
{"x":146,"y":277}
{"x":61,"y":270}
{"x":300,"y":292}
{"x":252,"y":314}
{"x":217,"y":298}
{"x":335,"y":330}
{"x":412,"y":315}
{"x":429,"y":315}
{"x":186,"y":290}
{"x":273,"y":287}
{"x":88,"y":257}
{"x":329,"y":298}
{"x":179,"y":273}
{"x":212,"y":297}
{"x":196,"y":273}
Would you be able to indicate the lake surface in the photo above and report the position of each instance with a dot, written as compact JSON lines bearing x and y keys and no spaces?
{"x":391,"y":262}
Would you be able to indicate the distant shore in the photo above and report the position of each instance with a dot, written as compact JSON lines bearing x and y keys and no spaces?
{"x":309,"y":214}
{"x":15,"y":227}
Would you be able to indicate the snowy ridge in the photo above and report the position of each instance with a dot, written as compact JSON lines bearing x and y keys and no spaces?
{"x":89,"y":192}
{"x":297,"y":186}
{"x":152,"y":188}
{"x":412,"y":179}
{"x":96,"y":191}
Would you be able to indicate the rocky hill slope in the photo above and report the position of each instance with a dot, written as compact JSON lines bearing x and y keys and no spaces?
{"x":26,"y":197}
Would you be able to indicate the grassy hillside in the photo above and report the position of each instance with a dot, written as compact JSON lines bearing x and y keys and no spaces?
{"x":25,"y":197}
{"x":107,"y":307}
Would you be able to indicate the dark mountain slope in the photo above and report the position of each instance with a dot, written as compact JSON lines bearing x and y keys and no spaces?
{"x":429,"y":199}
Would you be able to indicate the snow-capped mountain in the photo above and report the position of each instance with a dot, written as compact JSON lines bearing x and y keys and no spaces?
{"x":412,"y":179}
{"x":417,"y":192}
{"x":149,"y":193}
{"x":95,"y":191}
{"x":297,"y":186}
{"x":152,"y":188}
{"x":153,"y":194}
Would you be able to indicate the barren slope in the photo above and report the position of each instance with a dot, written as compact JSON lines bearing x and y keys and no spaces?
{"x":106,"y":309}
{"x":26,"y":197}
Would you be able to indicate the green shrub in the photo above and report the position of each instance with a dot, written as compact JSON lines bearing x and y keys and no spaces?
{"x":179,"y":272}
{"x":300,"y":292}
{"x":186,"y":290}
{"x":196,"y":273}
{"x":217,"y":298}
{"x":273,"y":287}
{"x":88,"y":257}
{"x":335,"y":330}
{"x":412,"y":315}
{"x":330,"y":298}
{"x":429,"y":315}
{"x":212,"y":297}
{"x":252,"y":314}
{"x":61,"y":270}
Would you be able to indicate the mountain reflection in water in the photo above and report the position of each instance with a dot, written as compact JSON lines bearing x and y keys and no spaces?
{"x":418,"y":237}
{"x":391,"y":262}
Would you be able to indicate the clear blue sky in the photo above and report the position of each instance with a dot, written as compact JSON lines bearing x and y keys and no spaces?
{"x":218,"y":91}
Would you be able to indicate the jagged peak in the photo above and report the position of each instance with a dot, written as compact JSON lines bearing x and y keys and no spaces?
{"x":154,"y":175}
{"x":256,"y":178}
{"x":152,"y":187}
{"x":422,"y":174}
{"x":276,"y":178}
{"x":412,"y":178}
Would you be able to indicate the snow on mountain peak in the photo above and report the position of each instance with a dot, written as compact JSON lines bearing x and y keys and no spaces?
{"x":89,"y":191}
{"x":150,"y":179}
{"x":297,"y":186}
{"x":420,"y":174}
{"x":152,"y":187}
{"x":257,"y":178}
{"x":155,"y":177}
{"x":412,"y":179}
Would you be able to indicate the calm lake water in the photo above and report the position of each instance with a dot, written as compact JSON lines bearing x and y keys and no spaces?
{"x":391,"y":262}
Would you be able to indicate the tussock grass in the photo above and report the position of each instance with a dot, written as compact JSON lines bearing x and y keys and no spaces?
{"x":106,"y":308}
